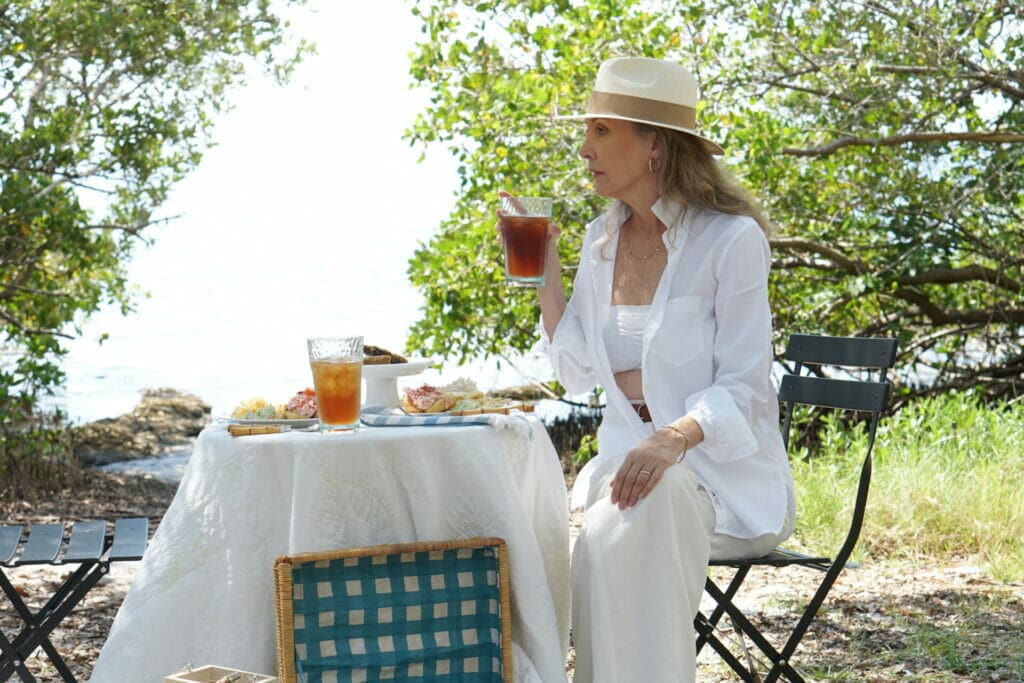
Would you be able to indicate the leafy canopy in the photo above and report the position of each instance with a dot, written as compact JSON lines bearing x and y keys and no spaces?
{"x":103,"y":107}
{"x":884,"y":138}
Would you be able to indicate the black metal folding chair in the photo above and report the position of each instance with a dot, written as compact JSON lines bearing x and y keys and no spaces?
{"x":91,"y":547}
{"x":868,"y":361}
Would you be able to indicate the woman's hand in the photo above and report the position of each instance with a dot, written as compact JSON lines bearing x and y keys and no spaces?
{"x":644,"y":466}
{"x":552,"y":262}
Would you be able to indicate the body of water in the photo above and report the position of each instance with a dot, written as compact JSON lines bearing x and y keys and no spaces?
{"x":299,"y":222}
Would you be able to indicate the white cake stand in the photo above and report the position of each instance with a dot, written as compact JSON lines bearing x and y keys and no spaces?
{"x":382,"y":380}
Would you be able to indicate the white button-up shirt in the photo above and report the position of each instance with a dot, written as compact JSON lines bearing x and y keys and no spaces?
{"x":707,"y":354}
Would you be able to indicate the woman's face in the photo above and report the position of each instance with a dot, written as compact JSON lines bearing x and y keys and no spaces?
{"x":618,"y":157}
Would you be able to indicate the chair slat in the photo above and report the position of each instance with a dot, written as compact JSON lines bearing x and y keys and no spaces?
{"x":835,"y":393}
{"x":86,"y":541}
{"x":130,"y":536}
{"x":9,"y":537}
{"x":866,"y":352}
{"x":43,"y":543}
{"x":781,"y":557}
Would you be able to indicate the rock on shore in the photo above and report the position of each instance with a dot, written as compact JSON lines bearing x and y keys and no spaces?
{"x":165,"y":419}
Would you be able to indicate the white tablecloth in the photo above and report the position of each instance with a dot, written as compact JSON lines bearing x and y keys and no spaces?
{"x":203,"y":593}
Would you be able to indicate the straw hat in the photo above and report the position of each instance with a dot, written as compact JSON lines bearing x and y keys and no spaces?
{"x":645,"y":90}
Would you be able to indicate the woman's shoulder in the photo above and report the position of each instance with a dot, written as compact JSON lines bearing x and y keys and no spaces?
{"x":719,"y":228}
{"x":722,"y":226}
{"x":727,"y":223}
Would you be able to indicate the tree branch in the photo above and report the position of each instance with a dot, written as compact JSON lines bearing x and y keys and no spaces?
{"x":966,"y":274}
{"x":792,"y":263}
{"x":133,"y":231}
{"x":815,"y":91}
{"x":880,"y":324}
{"x":32,"y":330}
{"x":795,"y":244}
{"x":943,"y":316}
{"x":983,"y":375}
{"x":926,"y":342}
{"x":14,"y":289}
{"x":974,"y":73}
{"x":530,"y":380}
{"x":977,"y":72}
{"x":987,"y":137}
{"x":994,"y":81}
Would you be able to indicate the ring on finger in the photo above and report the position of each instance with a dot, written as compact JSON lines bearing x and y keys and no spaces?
{"x":647,"y":472}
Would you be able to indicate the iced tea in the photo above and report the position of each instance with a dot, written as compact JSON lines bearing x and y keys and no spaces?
{"x":337,"y":384}
{"x":526,"y":243}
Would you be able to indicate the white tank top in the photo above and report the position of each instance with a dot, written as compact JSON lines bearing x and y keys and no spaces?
{"x":624,"y":336}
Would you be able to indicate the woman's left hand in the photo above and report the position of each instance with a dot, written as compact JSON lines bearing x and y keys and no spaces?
{"x":643,"y":468}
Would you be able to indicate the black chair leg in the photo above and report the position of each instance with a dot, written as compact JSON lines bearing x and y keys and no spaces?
{"x":38,"y":627}
{"x":716,"y":614}
{"x":9,"y":655}
{"x":810,"y":611}
{"x":708,"y":636}
{"x":780,"y":664}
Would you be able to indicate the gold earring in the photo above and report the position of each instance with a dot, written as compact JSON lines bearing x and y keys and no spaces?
{"x":651,"y":164}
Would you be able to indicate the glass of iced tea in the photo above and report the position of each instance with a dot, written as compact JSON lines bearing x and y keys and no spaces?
{"x":337,"y":365}
{"x":524,"y":224}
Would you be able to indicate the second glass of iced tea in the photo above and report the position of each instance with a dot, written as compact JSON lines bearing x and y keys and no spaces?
{"x":337,"y":364}
{"x":524,"y":224}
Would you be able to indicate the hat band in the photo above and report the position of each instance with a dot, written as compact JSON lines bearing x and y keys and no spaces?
{"x":654,"y":111}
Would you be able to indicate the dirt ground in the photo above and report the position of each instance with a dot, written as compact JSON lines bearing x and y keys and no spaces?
{"x":907,"y":620}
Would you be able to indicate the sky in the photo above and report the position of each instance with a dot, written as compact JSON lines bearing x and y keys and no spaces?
{"x":299,"y":222}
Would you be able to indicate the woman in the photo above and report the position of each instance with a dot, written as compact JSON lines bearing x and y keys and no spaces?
{"x":670,"y":316}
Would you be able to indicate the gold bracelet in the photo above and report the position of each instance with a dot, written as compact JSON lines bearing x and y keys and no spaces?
{"x":686,"y":441}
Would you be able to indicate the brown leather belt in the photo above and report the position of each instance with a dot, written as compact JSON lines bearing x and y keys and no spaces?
{"x":642,"y":410}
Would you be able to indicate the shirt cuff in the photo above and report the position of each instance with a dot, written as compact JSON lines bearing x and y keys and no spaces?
{"x":727,"y":434}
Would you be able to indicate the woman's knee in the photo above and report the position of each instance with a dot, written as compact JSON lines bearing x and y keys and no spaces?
{"x":675,"y":497}
{"x":677,"y":490}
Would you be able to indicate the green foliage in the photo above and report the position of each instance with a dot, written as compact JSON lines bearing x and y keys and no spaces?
{"x":103,"y":106}
{"x":35,"y":450}
{"x":947,"y":477}
{"x":586,"y":451}
{"x":884,"y":139}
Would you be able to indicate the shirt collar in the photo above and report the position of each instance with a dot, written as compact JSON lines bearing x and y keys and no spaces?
{"x":668,"y":210}
{"x":618,"y":215}
{"x":671,"y":213}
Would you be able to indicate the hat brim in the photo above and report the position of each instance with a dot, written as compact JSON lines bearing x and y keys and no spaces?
{"x":711,"y":146}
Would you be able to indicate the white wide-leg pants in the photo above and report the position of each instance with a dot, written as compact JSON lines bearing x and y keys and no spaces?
{"x":638,"y":576}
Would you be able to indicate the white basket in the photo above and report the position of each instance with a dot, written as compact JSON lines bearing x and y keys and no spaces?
{"x":214,"y":674}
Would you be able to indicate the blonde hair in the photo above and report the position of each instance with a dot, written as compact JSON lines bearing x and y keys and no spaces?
{"x":690,"y":175}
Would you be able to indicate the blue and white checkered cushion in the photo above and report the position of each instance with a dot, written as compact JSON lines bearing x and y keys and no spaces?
{"x":410,"y":616}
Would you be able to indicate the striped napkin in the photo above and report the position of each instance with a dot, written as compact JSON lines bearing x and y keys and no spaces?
{"x":382,"y":416}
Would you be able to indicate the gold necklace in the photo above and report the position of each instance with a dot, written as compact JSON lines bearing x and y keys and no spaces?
{"x":638,"y":259}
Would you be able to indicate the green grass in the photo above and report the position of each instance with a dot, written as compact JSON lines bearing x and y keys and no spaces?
{"x":948,"y":481}
{"x":974,"y":638}
{"x":936,"y":631}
